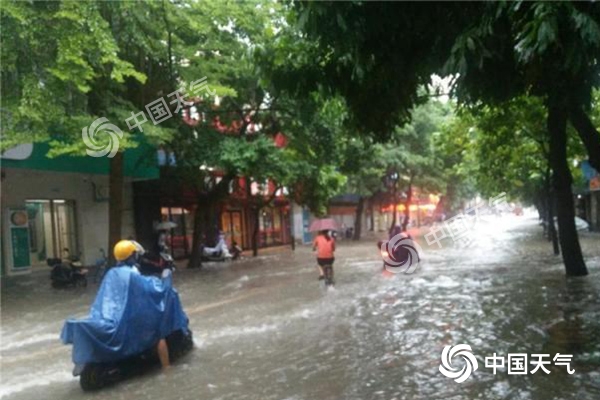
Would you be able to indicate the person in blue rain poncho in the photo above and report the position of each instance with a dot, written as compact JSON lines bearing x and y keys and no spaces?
{"x":131,"y":314}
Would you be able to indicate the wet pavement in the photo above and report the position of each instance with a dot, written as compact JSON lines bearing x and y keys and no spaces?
{"x":265,"y":329}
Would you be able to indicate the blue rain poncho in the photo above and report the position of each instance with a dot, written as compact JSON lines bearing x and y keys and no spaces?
{"x":131,"y":314}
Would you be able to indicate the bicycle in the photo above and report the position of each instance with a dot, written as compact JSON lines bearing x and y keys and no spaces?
{"x":100,"y":267}
{"x":328,"y":273}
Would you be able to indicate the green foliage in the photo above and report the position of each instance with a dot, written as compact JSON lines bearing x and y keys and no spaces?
{"x":316,"y":148}
{"x":503,"y":149}
{"x":377,"y":55}
{"x":544,"y":48}
{"x":67,"y":63}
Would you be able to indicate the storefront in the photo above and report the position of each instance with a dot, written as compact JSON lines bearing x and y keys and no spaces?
{"x":274,"y":226}
{"x":52,"y":229}
{"x":182,"y":234}
{"x":233,"y":227}
{"x":58,"y":207}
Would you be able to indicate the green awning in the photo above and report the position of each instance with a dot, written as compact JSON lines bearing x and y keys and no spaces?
{"x":140,"y":162}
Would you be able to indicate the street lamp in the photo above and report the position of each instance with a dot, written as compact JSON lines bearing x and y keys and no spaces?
{"x":391,"y":181}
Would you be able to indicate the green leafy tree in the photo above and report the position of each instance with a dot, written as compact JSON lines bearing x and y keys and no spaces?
{"x":66,"y":64}
{"x":364,"y":168}
{"x":549,"y":50}
{"x":377,"y":55}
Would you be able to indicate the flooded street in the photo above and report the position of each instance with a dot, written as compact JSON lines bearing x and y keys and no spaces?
{"x":265,"y":329}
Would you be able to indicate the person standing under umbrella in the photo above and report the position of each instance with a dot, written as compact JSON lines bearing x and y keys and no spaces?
{"x":163,"y":237}
{"x":325,"y":247}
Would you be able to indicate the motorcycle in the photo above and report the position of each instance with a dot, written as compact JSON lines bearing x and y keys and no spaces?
{"x":67,"y":272}
{"x":94,"y":376}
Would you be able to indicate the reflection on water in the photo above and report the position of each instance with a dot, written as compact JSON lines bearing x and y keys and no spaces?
{"x":264,"y":329}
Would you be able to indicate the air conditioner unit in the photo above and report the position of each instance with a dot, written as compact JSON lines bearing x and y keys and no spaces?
{"x":101,"y":193}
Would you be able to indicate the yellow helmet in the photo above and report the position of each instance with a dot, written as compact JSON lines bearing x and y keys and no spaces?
{"x":124,"y":249}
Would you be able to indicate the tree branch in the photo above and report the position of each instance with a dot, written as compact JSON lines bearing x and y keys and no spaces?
{"x":588,"y":134}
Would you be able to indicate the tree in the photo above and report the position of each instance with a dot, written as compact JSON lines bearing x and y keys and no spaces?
{"x":456,"y":163}
{"x":363,"y":165}
{"x":315,"y":128}
{"x":66,"y":64}
{"x":410,"y":151}
{"x":377,"y":56}
{"x":546,"y":49}
{"x":235,"y":137}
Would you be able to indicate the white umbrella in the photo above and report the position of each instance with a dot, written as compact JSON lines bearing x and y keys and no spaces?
{"x":165,"y":225}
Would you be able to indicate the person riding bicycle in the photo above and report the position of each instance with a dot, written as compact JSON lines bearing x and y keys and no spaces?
{"x":324,"y":244}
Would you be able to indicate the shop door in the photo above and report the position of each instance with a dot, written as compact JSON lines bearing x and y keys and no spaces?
{"x":231,"y":222}
{"x":52,"y":229}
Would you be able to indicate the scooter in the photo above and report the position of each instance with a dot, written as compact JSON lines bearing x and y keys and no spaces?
{"x":67,"y":272}
{"x":218,"y":253}
{"x":398,"y":255}
{"x":95,"y":376}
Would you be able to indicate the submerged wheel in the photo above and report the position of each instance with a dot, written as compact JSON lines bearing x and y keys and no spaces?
{"x":328,"y":275}
{"x":92,"y":378}
{"x":179,"y":343}
{"x":97,"y":376}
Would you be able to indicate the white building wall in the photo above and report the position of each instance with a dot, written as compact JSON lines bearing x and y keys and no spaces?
{"x":20,"y":185}
{"x":299,"y":223}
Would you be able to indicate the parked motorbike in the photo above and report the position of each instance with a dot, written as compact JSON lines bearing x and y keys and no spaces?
{"x":67,"y":272}
{"x":218,"y":253}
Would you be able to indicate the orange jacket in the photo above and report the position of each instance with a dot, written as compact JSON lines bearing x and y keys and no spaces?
{"x":325,"y":248}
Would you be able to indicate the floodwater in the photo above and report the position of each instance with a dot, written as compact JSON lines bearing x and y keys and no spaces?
{"x":265,"y":329}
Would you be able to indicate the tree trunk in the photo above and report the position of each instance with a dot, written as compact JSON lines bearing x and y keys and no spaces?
{"x":292,"y":229}
{"x":196,"y":256}
{"x":205,"y":209}
{"x":255,"y":230}
{"x":115,"y":206}
{"x":371,"y":214}
{"x":562,"y":180}
{"x":395,"y":209}
{"x":358,"y":218}
{"x":588,"y":134}
{"x":552,"y":236}
{"x":408,"y":202}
